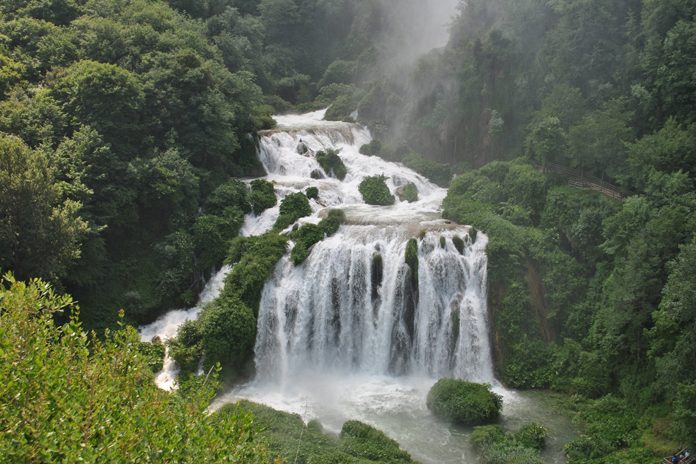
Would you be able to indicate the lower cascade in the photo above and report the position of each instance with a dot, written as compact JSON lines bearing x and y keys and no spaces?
{"x":357,"y":305}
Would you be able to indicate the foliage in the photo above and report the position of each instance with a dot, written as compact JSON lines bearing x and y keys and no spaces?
{"x":463,"y":402}
{"x":225,"y":331}
{"x":357,"y":444}
{"x":332,"y":164}
{"x":438,"y":173}
{"x":41,"y":229}
{"x":293,"y":207}
{"x":497,"y":446}
{"x":411,"y":259}
{"x":58,"y":412}
{"x":374,"y":148}
{"x":312,"y":193}
{"x":375,"y":191}
{"x":309,"y":234}
{"x":262,"y":196}
{"x":408,"y":192}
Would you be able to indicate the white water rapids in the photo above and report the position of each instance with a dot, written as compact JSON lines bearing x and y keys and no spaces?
{"x":351,"y":333}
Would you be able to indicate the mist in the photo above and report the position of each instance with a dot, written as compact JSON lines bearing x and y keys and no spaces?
{"x":412,"y":28}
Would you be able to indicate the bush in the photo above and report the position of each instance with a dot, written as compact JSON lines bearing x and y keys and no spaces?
{"x":374,"y":191}
{"x":498,"y":447}
{"x":186,"y":349}
{"x":408,"y":193}
{"x":228,"y":331}
{"x":439,"y":173}
{"x":374,"y":148}
{"x":292,"y":208}
{"x":262,"y":196}
{"x":411,"y":257}
{"x":332,"y":164}
{"x":312,"y":193}
{"x":364,"y":441}
{"x":309,"y":234}
{"x":254,"y":259}
{"x":357,"y":444}
{"x":463,"y":402}
{"x":153,"y":352}
{"x":532,"y":435}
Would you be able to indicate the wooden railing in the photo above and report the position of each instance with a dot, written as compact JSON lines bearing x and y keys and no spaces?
{"x":578,"y":179}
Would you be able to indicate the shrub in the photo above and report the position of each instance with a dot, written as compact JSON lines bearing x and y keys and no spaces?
{"x":262,"y":196}
{"x":292,"y":208}
{"x":357,"y":444}
{"x":364,"y":441}
{"x":408,"y":193}
{"x":254,"y":259}
{"x":332,"y":164}
{"x":309,"y":234}
{"x":532,"y":435}
{"x":228,"y":330}
{"x":312,"y":193}
{"x":439,"y":173}
{"x":374,"y":191}
{"x":153,"y":352}
{"x":463,"y":402}
{"x":186,"y":349}
{"x":374,"y":148}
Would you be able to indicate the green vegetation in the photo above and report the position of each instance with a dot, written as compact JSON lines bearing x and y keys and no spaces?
{"x":262,"y":196}
{"x":374,"y":191}
{"x":374,"y":148}
{"x":499,"y":447}
{"x":439,"y":173}
{"x":293,"y":207}
{"x":411,"y":257}
{"x":128,"y":116}
{"x":312,"y":193}
{"x":61,"y":385}
{"x":358,"y":443}
{"x":579,"y":286}
{"x":408,"y":192}
{"x":309,"y":234}
{"x":463,"y":402}
{"x":225,"y":331}
{"x":332,"y":164}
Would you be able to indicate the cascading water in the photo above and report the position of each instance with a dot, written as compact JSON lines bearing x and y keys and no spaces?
{"x":355,"y":304}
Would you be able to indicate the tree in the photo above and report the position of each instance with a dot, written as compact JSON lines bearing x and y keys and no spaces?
{"x":41,"y":229}
{"x":106,"y":97}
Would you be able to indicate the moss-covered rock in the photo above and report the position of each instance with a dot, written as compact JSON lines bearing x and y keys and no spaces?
{"x":312,"y":193}
{"x":374,"y":148}
{"x":262,"y":196}
{"x":464,"y":403}
{"x":332,"y":164}
{"x":309,"y":234}
{"x":374,"y":191}
{"x":458,"y":244}
{"x":408,"y":192}
{"x":411,"y":257}
{"x":292,"y":208}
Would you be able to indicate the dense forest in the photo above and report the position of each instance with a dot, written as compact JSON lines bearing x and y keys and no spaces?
{"x":564,"y":129}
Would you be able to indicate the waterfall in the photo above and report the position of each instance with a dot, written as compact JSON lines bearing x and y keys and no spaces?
{"x":355,"y":305}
